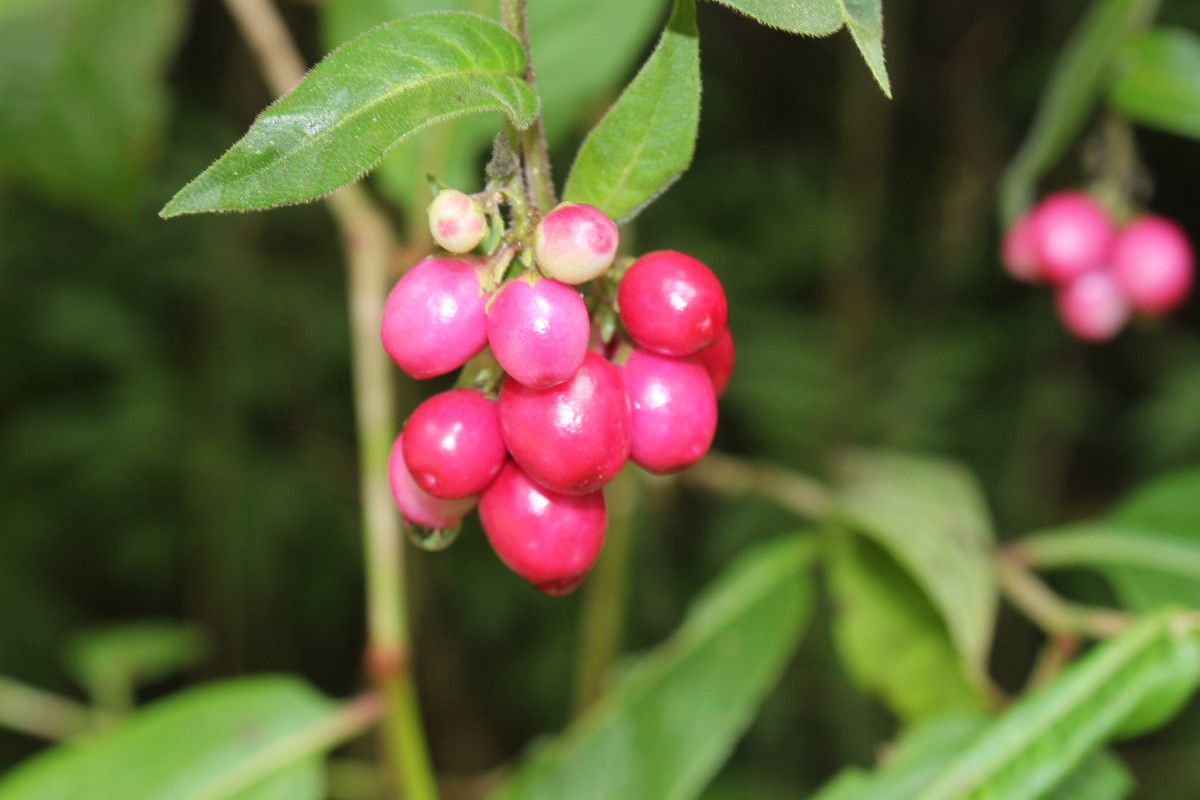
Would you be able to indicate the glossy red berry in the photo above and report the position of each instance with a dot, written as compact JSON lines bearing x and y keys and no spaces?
{"x":674,"y":411}
{"x":538,"y":332}
{"x":718,"y":359}
{"x":1093,"y":307}
{"x":575,"y":243}
{"x":549,"y":538}
{"x":452,"y":443}
{"x":1071,"y":235}
{"x":434,"y":319}
{"x":672,"y":304}
{"x":456,"y":221}
{"x":1152,"y":260}
{"x":573,"y":437}
{"x":1018,"y":251}
{"x":416,"y":505}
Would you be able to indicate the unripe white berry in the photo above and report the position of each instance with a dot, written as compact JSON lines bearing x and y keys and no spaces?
{"x":457,"y":221}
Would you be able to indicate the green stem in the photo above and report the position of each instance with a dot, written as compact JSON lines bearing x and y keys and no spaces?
{"x":40,"y":713}
{"x":325,"y":734}
{"x":805,"y":496}
{"x":535,"y":154}
{"x":1048,"y":611}
{"x":604,"y":598}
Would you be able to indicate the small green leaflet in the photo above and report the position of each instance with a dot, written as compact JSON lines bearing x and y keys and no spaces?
{"x":1158,"y":81}
{"x":358,"y":102}
{"x":646,"y":140}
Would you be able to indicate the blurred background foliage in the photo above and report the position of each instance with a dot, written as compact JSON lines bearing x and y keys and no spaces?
{"x":176,"y":431}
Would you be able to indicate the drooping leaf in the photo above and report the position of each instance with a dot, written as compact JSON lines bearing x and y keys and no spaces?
{"x":808,"y":17}
{"x":181,"y":747}
{"x":1149,"y":547}
{"x":116,"y":659}
{"x":84,"y":99}
{"x":930,"y":516}
{"x":864,"y":18}
{"x":673,"y":716}
{"x":1068,"y":100}
{"x":358,"y":102}
{"x":1158,"y":81}
{"x":646,"y":140}
{"x":891,"y":638}
{"x":576,"y":71}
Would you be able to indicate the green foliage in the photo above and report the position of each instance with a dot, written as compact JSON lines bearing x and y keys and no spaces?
{"x":864,"y":18}
{"x":674,"y":715}
{"x":110,"y":662}
{"x":1149,"y":547}
{"x":1158,"y":81}
{"x":646,"y":140}
{"x":182,"y":748}
{"x":357,"y":103}
{"x":576,"y":70}
{"x":930,"y":516}
{"x":84,"y":101}
{"x":890,"y":637}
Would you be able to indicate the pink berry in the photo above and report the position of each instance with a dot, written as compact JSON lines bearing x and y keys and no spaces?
{"x":672,"y":304}
{"x":674,"y":411}
{"x":1018,"y":251}
{"x":575,"y":243}
{"x":1093,"y":307}
{"x":549,"y":538}
{"x":452,"y":443}
{"x":456,"y":221}
{"x":718,"y":359}
{"x":1153,"y":262}
{"x":538,"y":332}
{"x":1071,"y":235}
{"x":434,"y":318}
{"x":573,"y":437}
{"x":415,"y":504}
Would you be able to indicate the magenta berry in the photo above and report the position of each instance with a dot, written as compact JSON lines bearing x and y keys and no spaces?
{"x":575,"y":243}
{"x":718,"y":359}
{"x":538,"y":332}
{"x":674,"y":411}
{"x":1071,"y":235}
{"x":1093,"y":307}
{"x":1152,"y":260}
{"x":417,"y":506}
{"x":549,"y":538}
{"x":1018,"y":251}
{"x":434,"y":318}
{"x":452,"y":444}
{"x":672,"y":304}
{"x":573,"y":437}
{"x":456,"y":221}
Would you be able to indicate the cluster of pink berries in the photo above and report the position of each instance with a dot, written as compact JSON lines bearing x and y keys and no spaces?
{"x":533,"y":443}
{"x":1103,"y":273}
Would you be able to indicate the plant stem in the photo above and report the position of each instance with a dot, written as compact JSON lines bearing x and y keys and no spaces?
{"x":604,"y":598}
{"x":1033,"y":598}
{"x":370,"y":247}
{"x":535,"y":154}
{"x":338,"y":727}
{"x":40,"y":713}
{"x":726,"y":474}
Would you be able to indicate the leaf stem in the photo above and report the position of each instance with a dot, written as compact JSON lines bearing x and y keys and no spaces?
{"x":370,"y":247}
{"x":535,"y":153}
{"x":340,"y":726}
{"x":1053,"y":614}
{"x":792,"y":491}
{"x":40,"y":713}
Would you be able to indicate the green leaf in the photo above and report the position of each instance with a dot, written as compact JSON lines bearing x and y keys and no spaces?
{"x":930,"y":516}
{"x":1068,"y":100}
{"x":674,"y":715}
{"x":864,"y":18}
{"x":1100,"y":776}
{"x":111,"y":661}
{"x":1149,"y":548}
{"x":576,"y":71}
{"x":181,"y":747}
{"x":357,"y":103}
{"x":1158,"y":81}
{"x":891,"y":638}
{"x":808,"y":17}
{"x":1123,"y":687}
{"x":646,"y":140}
{"x":84,"y":97}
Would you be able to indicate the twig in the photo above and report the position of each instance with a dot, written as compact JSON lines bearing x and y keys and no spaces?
{"x":1032,"y":597}
{"x":40,"y":713}
{"x":793,"y":491}
{"x":534,"y":151}
{"x":370,"y":248}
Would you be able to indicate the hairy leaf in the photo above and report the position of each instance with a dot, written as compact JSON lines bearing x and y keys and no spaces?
{"x":1158,"y":81}
{"x":809,"y":17}
{"x":674,"y":715}
{"x":930,"y":516}
{"x":646,"y":140}
{"x":177,"y":748}
{"x":864,"y":18}
{"x":358,"y":102}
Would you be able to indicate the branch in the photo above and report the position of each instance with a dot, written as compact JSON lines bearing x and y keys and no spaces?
{"x":793,"y":491}
{"x":41,"y":713}
{"x":1053,"y":614}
